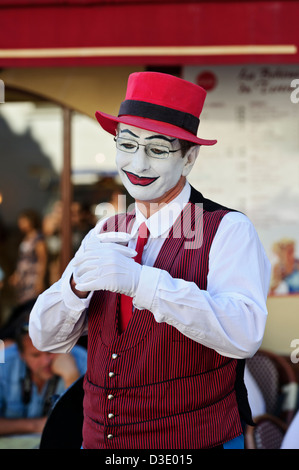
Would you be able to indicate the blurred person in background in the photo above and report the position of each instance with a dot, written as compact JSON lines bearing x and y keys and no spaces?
{"x":29,"y":277}
{"x":81,"y":223}
{"x":31,"y":380}
{"x":3,"y":237}
{"x":285,"y":272}
{"x":2,"y":275}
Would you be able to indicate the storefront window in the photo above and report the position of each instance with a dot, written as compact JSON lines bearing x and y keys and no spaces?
{"x":253,"y":112}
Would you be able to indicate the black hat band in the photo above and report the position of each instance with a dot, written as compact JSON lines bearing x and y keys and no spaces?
{"x":159,"y":113}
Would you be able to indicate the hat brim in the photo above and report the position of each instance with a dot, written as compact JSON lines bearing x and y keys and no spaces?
{"x":109,"y":124}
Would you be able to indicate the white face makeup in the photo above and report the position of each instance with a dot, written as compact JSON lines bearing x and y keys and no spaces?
{"x":147,"y":178}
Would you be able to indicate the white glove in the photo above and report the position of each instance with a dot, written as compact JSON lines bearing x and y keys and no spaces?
{"x":106,"y":237}
{"x":106,"y":265}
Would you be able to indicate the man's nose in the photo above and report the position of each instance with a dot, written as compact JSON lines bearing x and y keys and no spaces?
{"x":141,"y":160}
{"x":47,"y":358}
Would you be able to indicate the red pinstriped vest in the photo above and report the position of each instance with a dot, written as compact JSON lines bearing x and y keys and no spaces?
{"x":151,"y":386}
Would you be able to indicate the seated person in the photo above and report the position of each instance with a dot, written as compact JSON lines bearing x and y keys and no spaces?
{"x":30,"y":380}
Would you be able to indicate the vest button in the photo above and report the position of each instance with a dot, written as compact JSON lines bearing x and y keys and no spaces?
{"x":114,"y":356}
{"x":111,"y":374}
{"x":110,"y":415}
{"x":110,"y":396}
{"x":110,"y":436}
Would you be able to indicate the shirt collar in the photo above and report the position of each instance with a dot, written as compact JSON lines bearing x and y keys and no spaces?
{"x":160,"y":223}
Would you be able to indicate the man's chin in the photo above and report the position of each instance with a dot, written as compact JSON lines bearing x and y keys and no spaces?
{"x":46,"y":375}
{"x":142,"y":196}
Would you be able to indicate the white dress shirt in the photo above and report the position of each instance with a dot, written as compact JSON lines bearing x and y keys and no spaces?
{"x":229,"y":316}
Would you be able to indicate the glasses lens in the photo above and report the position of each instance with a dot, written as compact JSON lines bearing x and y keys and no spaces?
{"x":126,"y":145}
{"x":157,"y":151}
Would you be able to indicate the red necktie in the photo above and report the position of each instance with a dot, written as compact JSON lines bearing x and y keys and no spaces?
{"x":126,"y":302}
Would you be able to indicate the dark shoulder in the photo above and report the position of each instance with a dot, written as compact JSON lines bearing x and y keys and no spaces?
{"x":208,"y":205}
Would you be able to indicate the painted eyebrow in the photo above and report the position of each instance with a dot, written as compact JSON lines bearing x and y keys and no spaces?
{"x":130,"y":132}
{"x":160,"y":137}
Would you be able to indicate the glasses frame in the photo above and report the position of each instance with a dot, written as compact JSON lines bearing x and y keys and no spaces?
{"x":117,"y":137}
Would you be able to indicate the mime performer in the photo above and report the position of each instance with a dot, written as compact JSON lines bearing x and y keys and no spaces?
{"x":172,"y":294}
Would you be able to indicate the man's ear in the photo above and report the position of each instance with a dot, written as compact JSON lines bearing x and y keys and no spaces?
{"x":190,"y":158}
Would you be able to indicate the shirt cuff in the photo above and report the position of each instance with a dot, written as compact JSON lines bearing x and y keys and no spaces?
{"x":71,"y":300}
{"x":147,"y":287}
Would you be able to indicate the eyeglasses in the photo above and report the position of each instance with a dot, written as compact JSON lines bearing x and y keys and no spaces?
{"x":152,"y":150}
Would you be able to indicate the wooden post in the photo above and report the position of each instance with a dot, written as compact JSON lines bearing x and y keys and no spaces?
{"x":66,"y":192}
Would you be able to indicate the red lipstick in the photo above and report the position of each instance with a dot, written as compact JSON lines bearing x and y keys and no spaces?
{"x":139,"y":180}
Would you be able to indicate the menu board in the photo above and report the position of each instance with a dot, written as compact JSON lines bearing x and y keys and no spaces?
{"x":253,"y":112}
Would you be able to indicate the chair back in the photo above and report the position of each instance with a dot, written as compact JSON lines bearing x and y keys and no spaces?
{"x":277,"y":382}
{"x":268,"y":433}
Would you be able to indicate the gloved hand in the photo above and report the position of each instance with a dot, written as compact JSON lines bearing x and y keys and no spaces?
{"x":106,"y":265}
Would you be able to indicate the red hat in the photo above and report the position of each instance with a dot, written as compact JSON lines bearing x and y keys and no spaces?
{"x":162,"y":103}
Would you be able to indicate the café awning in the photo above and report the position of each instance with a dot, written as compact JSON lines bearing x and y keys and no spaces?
{"x":122,"y":32}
